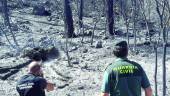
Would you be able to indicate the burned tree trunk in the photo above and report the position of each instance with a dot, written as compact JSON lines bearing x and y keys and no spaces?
{"x":134,"y":5}
{"x":164,"y":61}
{"x":163,"y":17}
{"x":68,"y":19}
{"x":156,"y":68}
{"x":164,"y":69}
{"x":7,"y":20}
{"x":110,"y":16}
{"x":125,"y":14}
{"x":81,"y":13}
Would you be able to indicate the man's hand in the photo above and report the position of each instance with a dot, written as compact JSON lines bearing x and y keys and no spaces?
{"x":50,"y":87}
{"x":104,"y":94}
{"x":148,"y":91}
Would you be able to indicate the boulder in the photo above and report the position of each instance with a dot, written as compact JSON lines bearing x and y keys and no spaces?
{"x":14,"y":27}
{"x":26,"y":2}
{"x":143,"y":24}
{"x":75,"y":62}
{"x":40,"y":10}
{"x":2,"y":44}
{"x":88,"y":33}
{"x":41,"y":53}
{"x":99,"y":44}
{"x":119,"y":32}
{"x":85,"y":50}
{"x":105,"y":37}
{"x":81,"y":88}
{"x":151,"y":32}
{"x":52,"y":52}
{"x":129,"y":34}
{"x":74,"y":48}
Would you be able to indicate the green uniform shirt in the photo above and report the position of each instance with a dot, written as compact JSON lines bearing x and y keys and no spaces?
{"x":124,"y":78}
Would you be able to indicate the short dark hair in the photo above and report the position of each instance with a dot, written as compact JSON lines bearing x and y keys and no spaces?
{"x":120,"y":52}
{"x":37,"y":56}
{"x":121,"y":49}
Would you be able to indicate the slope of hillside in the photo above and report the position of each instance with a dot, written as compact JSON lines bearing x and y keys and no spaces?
{"x":89,"y":62}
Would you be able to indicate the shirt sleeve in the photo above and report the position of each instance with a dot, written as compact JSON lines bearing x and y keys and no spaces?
{"x":105,"y":86}
{"x":145,"y":81}
{"x":42,"y":83}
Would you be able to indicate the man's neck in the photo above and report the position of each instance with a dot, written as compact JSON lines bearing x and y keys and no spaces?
{"x":121,"y":58}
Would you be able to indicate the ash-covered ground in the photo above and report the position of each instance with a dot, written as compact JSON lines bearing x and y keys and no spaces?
{"x":89,"y":62}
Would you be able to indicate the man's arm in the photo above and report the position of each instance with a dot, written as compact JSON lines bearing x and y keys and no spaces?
{"x":105,"y":86}
{"x":146,"y":84}
{"x":148,"y":91}
{"x":104,"y":94}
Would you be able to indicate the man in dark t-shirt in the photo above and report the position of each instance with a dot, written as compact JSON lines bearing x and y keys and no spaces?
{"x":33,"y":84}
{"x":124,"y":77}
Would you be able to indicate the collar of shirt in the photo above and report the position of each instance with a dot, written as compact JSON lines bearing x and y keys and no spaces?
{"x":120,"y":59}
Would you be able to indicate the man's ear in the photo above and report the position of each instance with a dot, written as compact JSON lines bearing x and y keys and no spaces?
{"x":40,"y":73}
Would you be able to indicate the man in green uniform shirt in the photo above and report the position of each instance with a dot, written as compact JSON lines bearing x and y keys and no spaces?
{"x":124,"y":77}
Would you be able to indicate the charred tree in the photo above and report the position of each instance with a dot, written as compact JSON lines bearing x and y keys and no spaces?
{"x":81,"y":6}
{"x":68,"y":19}
{"x":7,"y":20}
{"x":125,"y":13}
{"x":156,"y":68}
{"x":110,"y":16}
{"x":134,"y":5}
{"x":164,"y":17}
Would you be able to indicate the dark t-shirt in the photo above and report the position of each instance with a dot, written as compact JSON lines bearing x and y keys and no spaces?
{"x":30,"y":85}
{"x":124,"y":78}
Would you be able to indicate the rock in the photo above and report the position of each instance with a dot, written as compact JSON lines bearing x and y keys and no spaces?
{"x":9,"y":54}
{"x":14,"y":27}
{"x":23,"y":22}
{"x":85,"y":50}
{"x":129,"y":34}
{"x":119,"y":32}
{"x":144,"y":55}
{"x":52,"y":52}
{"x":41,"y":53}
{"x":92,"y":46}
{"x":147,"y":43}
{"x":108,"y":47}
{"x":93,"y":82}
{"x":102,"y":33}
{"x":45,"y":42}
{"x":143,"y":24}
{"x":99,"y":44}
{"x":80,"y":87}
{"x":105,"y":55}
{"x":1,"y":43}
{"x":40,"y":10}
{"x":26,"y":2}
{"x":43,"y":39}
{"x":31,"y":53}
{"x":151,"y":33}
{"x":75,"y":62}
{"x":88,"y":33}
{"x":85,"y":66}
{"x":74,"y":48}
{"x":105,"y":38}
{"x":92,"y":60}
